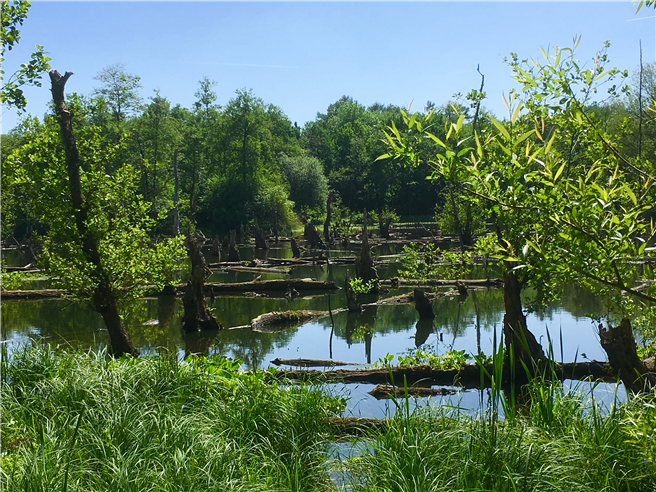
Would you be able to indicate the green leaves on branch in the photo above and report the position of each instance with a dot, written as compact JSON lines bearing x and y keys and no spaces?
{"x":11,"y":94}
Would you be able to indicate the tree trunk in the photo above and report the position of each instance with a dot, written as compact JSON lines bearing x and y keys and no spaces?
{"x":176,"y":212}
{"x":260,"y":240}
{"x":423,"y":305}
{"x":364,"y":263}
{"x":196,"y":315}
{"x":296,"y":252}
{"x":525,"y":347}
{"x":620,"y":346}
{"x":326,"y":224}
{"x":104,"y":299}
{"x":233,"y":252}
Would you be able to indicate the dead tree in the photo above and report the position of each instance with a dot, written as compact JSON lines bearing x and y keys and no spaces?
{"x":364,"y":263}
{"x":312,"y":236}
{"x":296,"y":252}
{"x":620,"y":346}
{"x":423,"y":305}
{"x":197,"y":317}
{"x":176,"y":212}
{"x":326,"y":224}
{"x":103,"y":297}
{"x":260,"y":240}
{"x":233,"y":252}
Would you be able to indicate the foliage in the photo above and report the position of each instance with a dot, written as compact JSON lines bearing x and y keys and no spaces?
{"x":360,"y":287}
{"x":565,"y":204}
{"x":426,"y":261}
{"x":19,"y":280}
{"x":11,"y":94}
{"x":308,"y":187}
{"x":117,"y":216}
{"x":451,"y":359}
{"x":82,"y":421}
{"x":119,"y":89}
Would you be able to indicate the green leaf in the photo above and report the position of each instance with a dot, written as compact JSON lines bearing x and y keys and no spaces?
{"x":501,"y":128}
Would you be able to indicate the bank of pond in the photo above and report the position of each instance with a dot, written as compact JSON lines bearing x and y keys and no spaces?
{"x":81,"y":420}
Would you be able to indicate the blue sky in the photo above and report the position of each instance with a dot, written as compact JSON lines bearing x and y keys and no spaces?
{"x":303,"y":56}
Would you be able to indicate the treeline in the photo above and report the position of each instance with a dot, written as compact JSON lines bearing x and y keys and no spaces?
{"x":245,"y":163}
{"x":238,"y":164}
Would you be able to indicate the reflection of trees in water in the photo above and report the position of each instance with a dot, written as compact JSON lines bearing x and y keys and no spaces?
{"x":251,"y":347}
{"x":482,"y":309}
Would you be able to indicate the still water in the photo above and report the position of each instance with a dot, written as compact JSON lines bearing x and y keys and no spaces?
{"x":462,"y":324}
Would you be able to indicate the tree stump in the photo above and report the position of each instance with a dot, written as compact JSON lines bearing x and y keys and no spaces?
{"x":620,"y":346}
{"x":260,"y":240}
{"x":197,"y":317}
{"x":364,"y":263}
{"x":233,"y":253}
{"x":296,"y":252}
{"x":216,"y":249}
{"x":351,"y":297}
{"x":312,"y":236}
{"x":423,"y":305}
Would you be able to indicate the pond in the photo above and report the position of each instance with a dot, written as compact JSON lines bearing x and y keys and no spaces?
{"x":462,"y":324}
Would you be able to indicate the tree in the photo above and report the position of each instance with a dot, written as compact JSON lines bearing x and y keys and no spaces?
{"x":97,"y":244}
{"x":308,"y":187}
{"x":11,"y":94}
{"x":565,"y":205}
{"x":119,"y":88}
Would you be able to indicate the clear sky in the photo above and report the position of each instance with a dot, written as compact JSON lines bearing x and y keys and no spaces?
{"x":303,"y":56}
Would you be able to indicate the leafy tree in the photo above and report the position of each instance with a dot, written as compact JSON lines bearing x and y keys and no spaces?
{"x":565,"y":204}
{"x":97,"y":244}
{"x":119,"y":89}
{"x":308,"y":187}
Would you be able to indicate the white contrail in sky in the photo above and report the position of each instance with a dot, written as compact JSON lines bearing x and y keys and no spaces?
{"x":640,"y":18}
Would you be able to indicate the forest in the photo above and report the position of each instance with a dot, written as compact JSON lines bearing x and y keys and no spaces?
{"x":198,"y":242}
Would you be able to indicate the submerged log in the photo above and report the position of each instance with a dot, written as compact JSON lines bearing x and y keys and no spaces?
{"x":482,"y":282}
{"x":11,"y":295}
{"x":275,"y":321}
{"x":312,"y":362}
{"x":385,"y":391}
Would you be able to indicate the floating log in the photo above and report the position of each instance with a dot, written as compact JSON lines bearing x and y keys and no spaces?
{"x":385,"y":391}
{"x":312,"y":362}
{"x":478,"y":282}
{"x":276,"y":321}
{"x":284,"y":271}
{"x":11,"y":295}
{"x":29,"y":268}
{"x":468,"y":376}
{"x":271,"y":285}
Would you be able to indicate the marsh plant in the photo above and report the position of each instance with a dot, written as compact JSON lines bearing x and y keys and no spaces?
{"x":76,"y":421}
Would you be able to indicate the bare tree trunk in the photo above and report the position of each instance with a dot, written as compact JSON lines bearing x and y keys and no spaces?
{"x":526,"y":350}
{"x":196,"y":315}
{"x":104,"y":299}
{"x":364,"y":263}
{"x":176,"y":212}
{"x":326,"y":224}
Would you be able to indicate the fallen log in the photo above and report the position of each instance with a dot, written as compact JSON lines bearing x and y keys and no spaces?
{"x":271,"y":285}
{"x":284,"y":271}
{"x":312,"y":362}
{"x":468,"y":376}
{"x":386,"y":391}
{"x":482,"y":282}
{"x":276,"y":321}
{"x":14,"y":295}
{"x":29,"y":268}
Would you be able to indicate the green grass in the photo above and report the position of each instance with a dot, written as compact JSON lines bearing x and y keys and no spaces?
{"x":74,"y":421}
{"x":80,"y":421}
{"x":557,"y":441}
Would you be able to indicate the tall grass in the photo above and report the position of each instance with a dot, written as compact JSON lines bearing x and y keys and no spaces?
{"x":84,"y":422}
{"x":543,"y":439}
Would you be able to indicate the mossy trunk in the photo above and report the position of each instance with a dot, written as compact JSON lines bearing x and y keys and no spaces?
{"x":364,"y":263}
{"x":197,"y":317}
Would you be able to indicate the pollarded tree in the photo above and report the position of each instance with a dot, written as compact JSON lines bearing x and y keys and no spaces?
{"x":97,"y":245}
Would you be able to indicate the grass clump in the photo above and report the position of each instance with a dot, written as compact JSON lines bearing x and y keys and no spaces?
{"x":85,"y":422}
{"x":557,"y":441}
